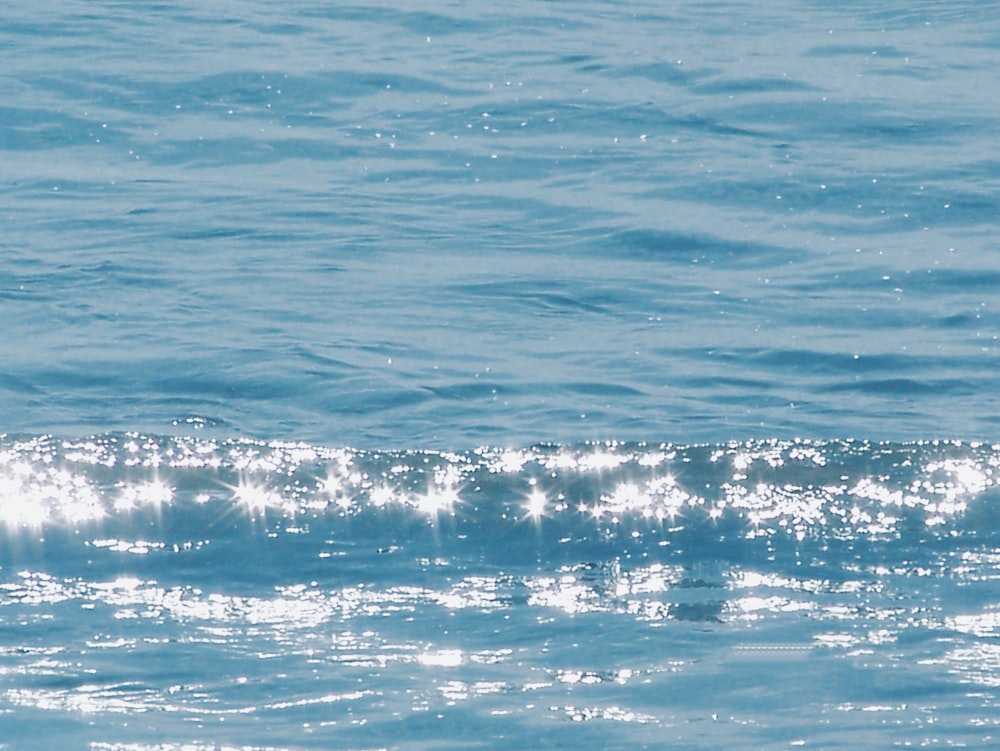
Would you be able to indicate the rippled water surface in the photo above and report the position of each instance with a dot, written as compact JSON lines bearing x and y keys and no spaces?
{"x":546,"y":374}
{"x":455,"y":224}
{"x":611,"y":595}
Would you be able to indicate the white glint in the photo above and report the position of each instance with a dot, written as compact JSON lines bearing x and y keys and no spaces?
{"x":381,"y":496}
{"x":443,"y":495}
{"x":19,"y":508}
{"x":344,"y":502}
{"x":459,"y":690}
{"x":153,"y":494}
{"x":869,"y":489}
{"x":654,"y":459}
{"x":136,"y":547}
{"x":336,"y":487}
{"x":535,"y":505}
{"x":629,"y":498}
{"x":565,"y":593}
{"x":672,"y":498}
{"x":443,"y":658}
{"x":963,"y":479}
{"x":563,"y":460}
{"x":983,"y":625}
{"x":753,"y":605}
{"x":332,"y":485}
{"x":448,"y":476}
{"x":126,"y":501}
{"x":978,"y":664}
{"x":256,"y":499}
{"x":644,"y":581}
{"x":602,"y":460}
{"x":437,"y":500}
{"x":512,"y":461}
{"x":81,"y":503}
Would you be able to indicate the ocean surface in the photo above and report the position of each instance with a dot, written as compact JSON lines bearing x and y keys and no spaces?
{"x":573,"y":375}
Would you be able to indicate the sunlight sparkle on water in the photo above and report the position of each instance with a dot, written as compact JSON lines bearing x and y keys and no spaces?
{"x":437,"y":500}
{"x":257,"y":499}
{"x":338,"y":485}
{"x":565,"y":593}
{"x":78,"y":501}
{"x":602,"y":460}
{"x":155,"y":494}
{"x":443,"y":494}
{"x":31,"y":497}
{"x":535,"y":505}
{"x":381,"y":496}
{"x":18,"y":507}
{"x":443,"y":658}
{"x":511,"y":461}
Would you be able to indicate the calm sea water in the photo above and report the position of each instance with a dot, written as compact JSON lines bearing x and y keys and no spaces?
{"x":454,"y":375}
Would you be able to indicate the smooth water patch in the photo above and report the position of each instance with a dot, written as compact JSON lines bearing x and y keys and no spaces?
{"x":461,"y":226}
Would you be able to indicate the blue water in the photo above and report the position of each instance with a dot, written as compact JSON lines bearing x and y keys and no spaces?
{"x":552,"y":374}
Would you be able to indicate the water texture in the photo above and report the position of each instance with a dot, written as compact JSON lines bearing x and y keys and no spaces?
{"x":459,"y":225}
{"x":277,"y":595}
{"x":460,"y":375}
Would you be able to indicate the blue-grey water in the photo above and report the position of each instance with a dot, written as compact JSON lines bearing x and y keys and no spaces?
{"x":538,"y":375}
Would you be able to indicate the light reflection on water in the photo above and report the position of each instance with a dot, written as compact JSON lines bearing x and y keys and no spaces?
{"x":345,"y":590}
{"x":363,"y":630}
{"x":776,"y":487}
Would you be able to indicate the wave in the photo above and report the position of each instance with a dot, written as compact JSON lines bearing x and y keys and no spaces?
{"x":140,"y":493}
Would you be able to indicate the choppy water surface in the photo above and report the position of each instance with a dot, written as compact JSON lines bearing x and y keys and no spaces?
{"x":461,"y":375}
{"x":289,"y":596}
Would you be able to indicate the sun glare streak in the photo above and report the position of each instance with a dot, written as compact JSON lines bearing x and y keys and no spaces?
{"x":337,"y":488}
{"x":256,"y":498}
{"x":438,"y":500}
{"x":536,"y":504}
{"x":443,"y":492}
